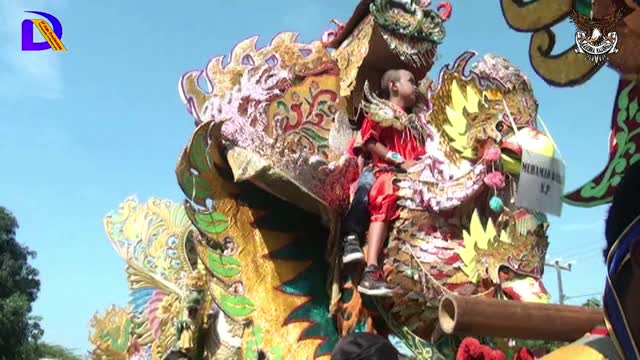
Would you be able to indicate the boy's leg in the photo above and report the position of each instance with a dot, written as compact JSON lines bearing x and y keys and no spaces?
{"x":383,"y":209}
{"x":356,"y":220}
{"x":373,"y":282}
{"x":377,"y":234}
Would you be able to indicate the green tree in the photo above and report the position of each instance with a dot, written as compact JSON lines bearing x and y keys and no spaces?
{"x":56,"y":352}
{"x":542,"y":346}
{"x":593,"y":303}
{"x":19,"y":287}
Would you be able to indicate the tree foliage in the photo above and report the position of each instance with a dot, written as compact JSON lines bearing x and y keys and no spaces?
{"x":19,"y":330}
{"x":593,"y":303}
{"x":56,"y":352}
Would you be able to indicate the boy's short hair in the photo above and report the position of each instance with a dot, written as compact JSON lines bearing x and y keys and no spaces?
{"x":625,"y":206}
{"x":387,"y":77}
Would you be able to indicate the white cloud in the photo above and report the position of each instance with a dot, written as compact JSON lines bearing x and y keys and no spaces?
{"x":26,"y":73}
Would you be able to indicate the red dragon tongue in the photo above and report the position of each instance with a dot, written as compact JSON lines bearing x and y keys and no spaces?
{"x":517,"y":149}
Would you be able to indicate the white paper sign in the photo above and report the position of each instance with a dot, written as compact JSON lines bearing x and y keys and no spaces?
{"x":541,"y":183}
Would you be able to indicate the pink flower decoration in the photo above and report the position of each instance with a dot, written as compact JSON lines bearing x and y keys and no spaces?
{"x":445,"y":10}
{"x":495,"y":180}
{"x":492,"y":154}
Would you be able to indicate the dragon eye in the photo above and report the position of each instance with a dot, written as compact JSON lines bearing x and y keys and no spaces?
{"x":500,"y":126}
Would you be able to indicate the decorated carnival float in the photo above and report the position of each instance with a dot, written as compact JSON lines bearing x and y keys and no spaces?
{"x":249,"y":265}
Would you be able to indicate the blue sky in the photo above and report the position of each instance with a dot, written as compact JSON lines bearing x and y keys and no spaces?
{"x":82,"y":130}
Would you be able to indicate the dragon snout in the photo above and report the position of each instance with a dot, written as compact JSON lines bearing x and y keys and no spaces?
{"x":511,"y":148}
{"x":529,"y":139}
{"x":526,"y":288}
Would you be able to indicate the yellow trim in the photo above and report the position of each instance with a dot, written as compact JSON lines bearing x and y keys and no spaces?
{"x":47,"y":33}
{"x":574,"y":351}
{"x":612,"y":334}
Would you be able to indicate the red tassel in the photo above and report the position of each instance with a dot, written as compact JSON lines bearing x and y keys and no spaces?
{"x":471,"y":349}
{"x":523,"y":354}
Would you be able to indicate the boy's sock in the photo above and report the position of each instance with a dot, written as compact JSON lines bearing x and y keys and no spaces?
{"x":373,"y":282}
{"x":351,"y":249}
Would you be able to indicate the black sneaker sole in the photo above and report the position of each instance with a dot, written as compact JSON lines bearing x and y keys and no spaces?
{"x":375,"y":292}
{"x":353,"y":257}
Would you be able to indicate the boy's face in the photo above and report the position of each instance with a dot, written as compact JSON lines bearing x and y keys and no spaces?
{"x":405,"y":88}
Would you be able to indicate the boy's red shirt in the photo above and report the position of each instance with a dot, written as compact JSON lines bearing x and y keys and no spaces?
{"x":401,"y":142}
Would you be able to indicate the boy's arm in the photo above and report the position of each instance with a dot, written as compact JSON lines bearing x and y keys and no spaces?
{"x":369,"y":135}
{"x":375,"y":147}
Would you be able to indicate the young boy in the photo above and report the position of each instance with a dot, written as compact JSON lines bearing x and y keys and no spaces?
{"x":392,"y":146}
{"x":356,"y":220}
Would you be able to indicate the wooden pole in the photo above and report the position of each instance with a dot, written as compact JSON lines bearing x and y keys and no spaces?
{"x":477,"y":317}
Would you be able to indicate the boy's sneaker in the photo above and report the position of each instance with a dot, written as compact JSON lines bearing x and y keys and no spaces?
{"x":352,"y":250}
{"x":373,"y":283}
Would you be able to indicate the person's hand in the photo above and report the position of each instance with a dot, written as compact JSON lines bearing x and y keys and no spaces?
{"x":407,"y":165}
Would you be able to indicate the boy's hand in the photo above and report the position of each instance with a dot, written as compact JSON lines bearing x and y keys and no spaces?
{"x":407,"y":165}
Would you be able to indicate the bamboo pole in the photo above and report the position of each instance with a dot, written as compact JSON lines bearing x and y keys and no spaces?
{"x":477,"y":317}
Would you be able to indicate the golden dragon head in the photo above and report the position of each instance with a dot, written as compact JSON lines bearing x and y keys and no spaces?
{"x":485,"y":119}
{"x":492,"y":106}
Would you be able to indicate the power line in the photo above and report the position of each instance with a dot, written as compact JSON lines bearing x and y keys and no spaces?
{"x":583,"y":251}
{"x":583,"y":248}
{"x":569,"y":253}
{"x":574,"y":247}
{"x":583,"y":258}
{"x":582,"y":296}
{"x":588,"y":256}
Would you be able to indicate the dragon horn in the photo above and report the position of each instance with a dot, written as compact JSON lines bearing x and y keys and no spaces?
{"x":338,"y":23}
